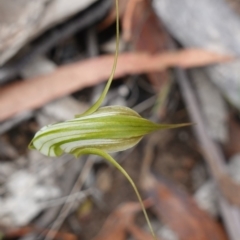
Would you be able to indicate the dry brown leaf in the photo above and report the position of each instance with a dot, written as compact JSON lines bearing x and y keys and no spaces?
{"x":147,"y":35}
{"x":117,"y":223}
{"x":20,"y":232}
{"x":27,"y":95}
{"x":180,"y":212}
{"x":128,"y":19}
{"x":111,"y":17}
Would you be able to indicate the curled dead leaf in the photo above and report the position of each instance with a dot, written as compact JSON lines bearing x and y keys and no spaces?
{"x":180,"y":212}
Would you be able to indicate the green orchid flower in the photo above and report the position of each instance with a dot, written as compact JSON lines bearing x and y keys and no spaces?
{"x":109,"y":129}
{"x":99,"y":131}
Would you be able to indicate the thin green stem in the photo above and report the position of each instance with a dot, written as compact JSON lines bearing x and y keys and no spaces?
{"x":98,"y":103}
{"x":121,"y":169}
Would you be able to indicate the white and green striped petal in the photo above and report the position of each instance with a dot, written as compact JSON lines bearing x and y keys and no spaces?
{"x":110,"y":129}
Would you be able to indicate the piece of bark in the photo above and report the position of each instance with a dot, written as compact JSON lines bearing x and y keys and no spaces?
{"x":22,"y":20}
{"x":62,"y":10}
{"x":216,"y":162}
{"x":66,"y":182}
{"x":45,"y":42}
{"x":207,"y":196}
{"x":28,"y":95}
{"x":211,"y":151}
{"x":213,"y":106}
{"x":17,"y":24}
{"x":213,"y":25}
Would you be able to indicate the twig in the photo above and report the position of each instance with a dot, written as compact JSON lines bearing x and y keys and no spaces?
{"x":50,"y":167}
{"x":10,"y":123}
{"x":88,"y":17}
{"x":68,"y":206}
{"x":7,"y":150}
{"x":77,"y":196}
{"x":92,"y":46}
{"x":127,"y":19}
{"x":66,"y":182}
{"x":145,"y":104}
{"x":213,"y":155}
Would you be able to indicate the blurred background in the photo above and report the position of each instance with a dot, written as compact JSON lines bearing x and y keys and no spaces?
{"x":177,"y":63}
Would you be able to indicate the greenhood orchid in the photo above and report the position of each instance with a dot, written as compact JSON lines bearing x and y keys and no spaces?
{"x":109,"y":129}
{"x":99,"y":131}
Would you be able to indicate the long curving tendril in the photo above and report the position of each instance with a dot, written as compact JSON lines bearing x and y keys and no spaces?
{"x":98,"y":103}
{"x":113,"y":162}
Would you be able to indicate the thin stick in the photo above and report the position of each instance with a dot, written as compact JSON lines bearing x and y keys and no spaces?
{"x":76,"y":196}
{"x":113,"y":162}
{"x":213,"y":155}
{"x":68,"y":206}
